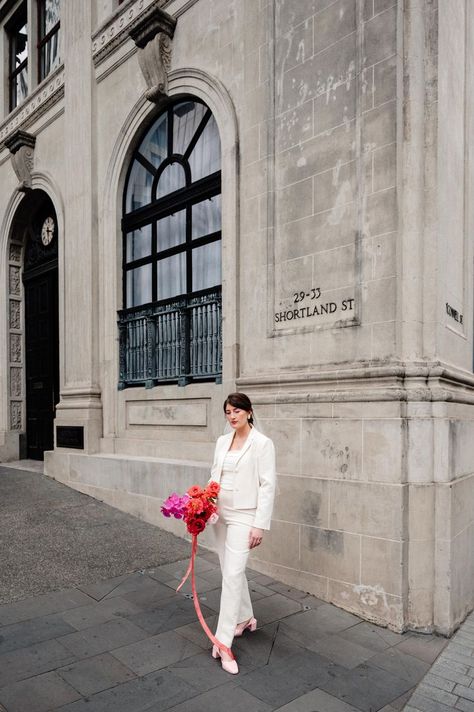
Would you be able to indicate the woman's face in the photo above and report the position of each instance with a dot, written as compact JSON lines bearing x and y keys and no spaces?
{"x":236,"y":417}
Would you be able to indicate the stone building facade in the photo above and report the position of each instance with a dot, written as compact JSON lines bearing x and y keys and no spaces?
{"x":334,"y":282}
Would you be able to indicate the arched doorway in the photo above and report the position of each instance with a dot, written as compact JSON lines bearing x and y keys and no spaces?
{"x":35,"y":229}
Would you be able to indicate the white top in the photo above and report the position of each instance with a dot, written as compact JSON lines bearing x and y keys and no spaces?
{"x":228,"y":469}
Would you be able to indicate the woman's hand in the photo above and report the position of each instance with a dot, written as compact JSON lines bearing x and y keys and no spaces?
{"x":255,"y":537}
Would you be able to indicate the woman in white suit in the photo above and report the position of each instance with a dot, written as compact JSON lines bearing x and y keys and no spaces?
{"x":244,"y":466}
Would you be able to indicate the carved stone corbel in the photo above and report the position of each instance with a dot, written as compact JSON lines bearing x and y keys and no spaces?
{"x":153,"y":34}
{"x":22,"y":146}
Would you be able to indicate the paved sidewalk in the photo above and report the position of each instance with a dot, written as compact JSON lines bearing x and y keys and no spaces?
{"x":129,"y":643}
{"x":449,"y":685}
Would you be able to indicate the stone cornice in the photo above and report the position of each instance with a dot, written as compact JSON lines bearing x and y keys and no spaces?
{"x":38,"y":102}
{"x":427,"y":381}
{"x":115,"y":31}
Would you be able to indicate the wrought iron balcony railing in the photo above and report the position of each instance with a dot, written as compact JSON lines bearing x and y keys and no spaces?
{"x":178,"y":340}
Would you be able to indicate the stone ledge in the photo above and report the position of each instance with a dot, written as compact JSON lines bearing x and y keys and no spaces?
{"x":50,"y":91}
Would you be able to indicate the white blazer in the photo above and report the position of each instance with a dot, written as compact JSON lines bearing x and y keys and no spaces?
{"x":255,"y":476}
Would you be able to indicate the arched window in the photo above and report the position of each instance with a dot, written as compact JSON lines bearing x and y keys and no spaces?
{"x":170,"y":326}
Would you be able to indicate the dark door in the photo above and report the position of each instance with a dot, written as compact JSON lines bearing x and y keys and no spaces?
{"x":42,"y":366}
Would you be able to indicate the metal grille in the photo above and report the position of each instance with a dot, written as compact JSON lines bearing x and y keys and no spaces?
{"x":179,"y":340}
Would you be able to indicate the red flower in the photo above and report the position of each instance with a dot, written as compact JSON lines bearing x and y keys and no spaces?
{"x":212,"y":489}
{"x":195,"y":506}
{"x":195,"y":491}
{"x":196,"y":526}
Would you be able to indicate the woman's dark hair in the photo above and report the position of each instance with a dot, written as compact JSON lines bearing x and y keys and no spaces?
{"x":239,"y":400}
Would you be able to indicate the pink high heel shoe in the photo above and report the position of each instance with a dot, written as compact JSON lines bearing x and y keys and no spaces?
{"x":250,"y":625}
{"x":227,"y":665}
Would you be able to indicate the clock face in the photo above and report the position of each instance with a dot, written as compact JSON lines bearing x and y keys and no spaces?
{"x":47,"y":231}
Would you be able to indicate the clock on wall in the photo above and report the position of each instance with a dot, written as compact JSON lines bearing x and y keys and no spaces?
{"x":47,"y":231}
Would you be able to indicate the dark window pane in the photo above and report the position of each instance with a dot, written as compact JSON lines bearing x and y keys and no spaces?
{"x":171,"y":276}
{"x":172,"y":178}
{"x":206,"y":217}
{"x":206,"y":155}
{"x":207,"y":266}
{"x":154,"y":146}
{"x":186,"y":119}
{"x":21,"y":85}
{"x":50,"y":58}
{"x":139,"y":286}
{"x":18,"y":49}
{"x":171,"y":231}
{"x":139,"y":187}
{"x":139,"y":243}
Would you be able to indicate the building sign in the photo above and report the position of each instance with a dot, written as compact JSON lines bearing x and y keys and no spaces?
{"x":309,"y":304}
{"x":70,"y":436}
{"x":453,"y":313}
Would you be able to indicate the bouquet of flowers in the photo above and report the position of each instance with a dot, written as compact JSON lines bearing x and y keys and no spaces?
{"x":196,"y":508}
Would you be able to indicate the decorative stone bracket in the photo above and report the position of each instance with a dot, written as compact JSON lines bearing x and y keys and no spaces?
{"x":21,"y":146}
{"x":153,"y":35}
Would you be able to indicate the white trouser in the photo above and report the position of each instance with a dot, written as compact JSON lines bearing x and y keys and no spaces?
{"x":232,"y":543}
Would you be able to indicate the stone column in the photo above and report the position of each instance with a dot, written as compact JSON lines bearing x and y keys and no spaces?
{"x":80,"y":405}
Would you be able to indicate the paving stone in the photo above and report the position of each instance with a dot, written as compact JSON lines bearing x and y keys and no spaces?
{"x":264,"y":580}
{"x":46,"y":604}
{"x":177,"y":569}
{"x":211,"y":599}
{"x":465,"y":705}
{"x":427,"y":649}
{"x":399,"y":704}
{"x":442,"y":669}
{"x":453,"y":665}
{"x":372,"y":636}
{"x":314,"y":624}
{"x":100,"y":612}
{"x":402,"y":665}
{"x":317,"y":701}
{"x":424,"y":704}
{"x":100,"y":589}
{"x":34,"y":660}
{"x":95,"y":674}
{"x":156,"y":652}
{"x":38,"y":694}
{"x":434,"y":693}
{"x":439,"y":682}
{"x":463,"y":691}
{"x":98,"y":639}
{"x":343,"y":652}
{"x":257,"y":588}
{"x":202,"y":585}
{"x":273,"y":608}
{"x":453,"y":655}
{"x":161,"y":689}
{"x":284,"y":680}
{"x":195,"y":633}
{"x":36,"y":630}
{"x":172,"y":614}
{"x":288,"y":591}
{"x":201,"y":671}
{"x":137,"y":582}
{"x":226,"y":697}
{"x":209,"y":556}
{"x":366,"y":687}
{"x":213,"y":576}
{"x":266,"y":645}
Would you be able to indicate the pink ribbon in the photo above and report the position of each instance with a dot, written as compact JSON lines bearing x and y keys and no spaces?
{"x":203,"y":623}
